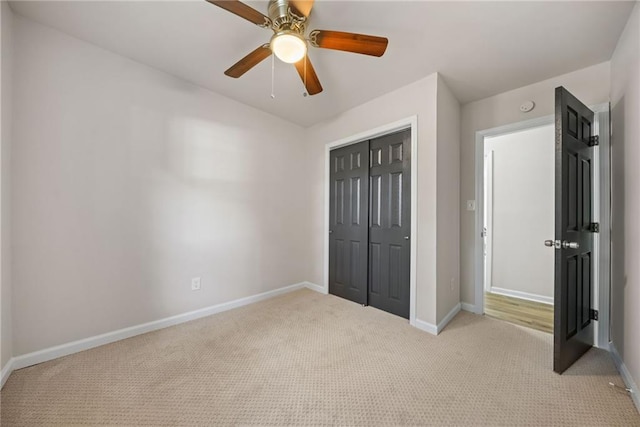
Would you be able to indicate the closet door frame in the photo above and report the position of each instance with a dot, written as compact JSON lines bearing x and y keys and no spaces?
{"x":406,"y":123}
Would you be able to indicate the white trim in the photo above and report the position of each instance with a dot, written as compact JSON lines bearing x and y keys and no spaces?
{"x":626,"y":375}
{"x":522,"y":295}
{"x":488,"y":220}
{"x":436,"y":329}
{"x":602,"y":214}
{"x":468,"y":307}
{"x":51,"y":353}
{"x":448,"y":318}
{"x":314,"y":287}
{"x":6,"y":371}
{"x":426,"y":326}
{"x":406,"y":123}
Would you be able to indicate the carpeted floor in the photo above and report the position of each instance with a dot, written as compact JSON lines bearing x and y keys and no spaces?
{"x":309,"y":359}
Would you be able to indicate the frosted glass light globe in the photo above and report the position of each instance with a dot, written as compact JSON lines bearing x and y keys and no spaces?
{"x":289,"y":47}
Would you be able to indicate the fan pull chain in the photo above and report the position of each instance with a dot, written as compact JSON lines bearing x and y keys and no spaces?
{"x":273,"y":72}
{"x":304,"y":94}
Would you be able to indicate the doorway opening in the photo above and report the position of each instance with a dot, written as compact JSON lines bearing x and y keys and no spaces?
{"x":518,"y":215}
{"x":486,"y":249}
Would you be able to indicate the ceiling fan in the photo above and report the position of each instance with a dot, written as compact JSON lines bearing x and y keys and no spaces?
{"x":287,"y":19}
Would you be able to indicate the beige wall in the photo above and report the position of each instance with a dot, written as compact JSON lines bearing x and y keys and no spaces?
{"x":421,"y":99}
{"x":625,"y":177}
{"x":591,"y":85}
{"x":448,"y":212}
{"x":128,"y":182}
{"x":6,"y":330}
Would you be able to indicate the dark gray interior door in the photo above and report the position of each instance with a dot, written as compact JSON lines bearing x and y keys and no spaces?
{"x":573,"y":326}
{"x":390,"y":222}
{"x":348,"y":225}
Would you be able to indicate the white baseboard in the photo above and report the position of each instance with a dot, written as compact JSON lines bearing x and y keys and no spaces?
{"x":468,"y":307}
{"x":317,"y":288}
{"x":522,"y":295}
{"x":436,"y":329}
{"x":51,"y":353}
{"x":626,"y":375}
{"x":426,"y":326}
{"x":445,"y":321}
{"x":6,"y":371}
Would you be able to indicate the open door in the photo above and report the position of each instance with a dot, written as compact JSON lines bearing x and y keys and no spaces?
{"x":573,"y":325}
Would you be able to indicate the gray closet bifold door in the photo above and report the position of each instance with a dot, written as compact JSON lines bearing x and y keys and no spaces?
{"x":390,"y":222}
{"x":348,"y":222}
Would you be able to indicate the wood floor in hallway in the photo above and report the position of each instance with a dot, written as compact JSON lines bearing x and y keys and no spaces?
{"x":522,"y":312}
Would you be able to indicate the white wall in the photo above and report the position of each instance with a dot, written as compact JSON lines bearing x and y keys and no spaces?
{"x":591,"y":85}
{"x":523,"y":212}
{"x":6,"y":330}
{"x":625,"y":177}
{"x":421,"y":99}
{"x":128,"y":182}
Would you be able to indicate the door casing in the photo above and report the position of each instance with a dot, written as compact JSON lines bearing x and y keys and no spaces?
{"x":601,"y":209}
{"x":406,"y":123}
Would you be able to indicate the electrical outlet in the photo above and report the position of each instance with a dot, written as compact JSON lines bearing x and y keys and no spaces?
{"x":195,"y":284}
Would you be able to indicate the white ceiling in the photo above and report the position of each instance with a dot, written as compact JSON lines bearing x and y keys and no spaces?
{"x":481,"y":48}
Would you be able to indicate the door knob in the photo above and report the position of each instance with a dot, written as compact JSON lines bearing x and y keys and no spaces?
{"x":330,"y":231}
{"x":552,"y":243}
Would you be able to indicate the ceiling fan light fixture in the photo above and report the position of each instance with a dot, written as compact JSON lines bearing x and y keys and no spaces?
{"x":288,"y":46}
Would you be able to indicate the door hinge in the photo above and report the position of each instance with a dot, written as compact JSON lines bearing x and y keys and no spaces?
{"x":593,"y":314}
{"x":594,"y":140}
{"x":594,"y":227}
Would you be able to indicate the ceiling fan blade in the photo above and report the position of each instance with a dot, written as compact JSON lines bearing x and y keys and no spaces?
{"x":301,"y":7}
{"x":249,"y":61}
{"x":311,"y":81}
{"x":242,"y":10}
{"x":349,"y":42}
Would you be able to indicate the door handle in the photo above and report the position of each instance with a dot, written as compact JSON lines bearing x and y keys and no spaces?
{"x":570,"y":245}
{"x":564,"y":245}
{"x":330,"y":231}
{"x":406,"y":237}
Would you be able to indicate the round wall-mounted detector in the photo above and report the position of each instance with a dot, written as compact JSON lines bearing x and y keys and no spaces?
{"x":527,"y":106}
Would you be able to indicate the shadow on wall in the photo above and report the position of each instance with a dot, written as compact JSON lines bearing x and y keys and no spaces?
{"x":205,"y":202}
{"x":197,"y":202}
{"x":618,"y":268}
{"x":129,"y":183}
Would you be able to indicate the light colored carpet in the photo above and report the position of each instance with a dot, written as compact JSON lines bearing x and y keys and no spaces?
{"x":309,"y":359}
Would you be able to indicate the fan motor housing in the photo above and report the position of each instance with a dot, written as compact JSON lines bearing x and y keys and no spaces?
{"x":283,"y":18}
